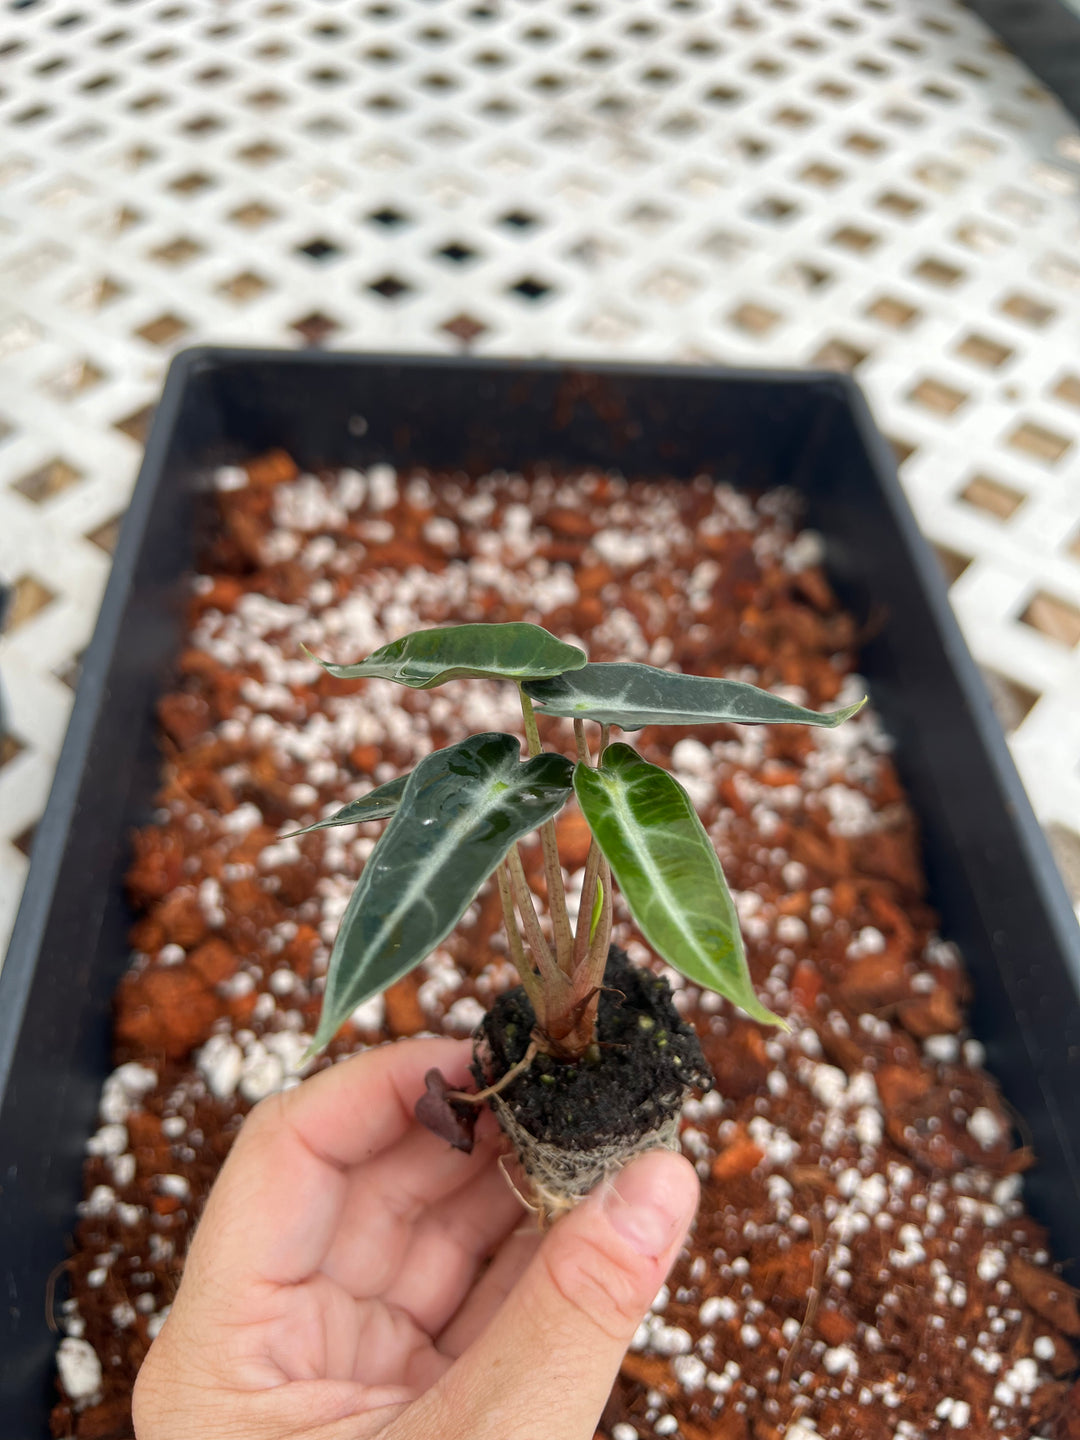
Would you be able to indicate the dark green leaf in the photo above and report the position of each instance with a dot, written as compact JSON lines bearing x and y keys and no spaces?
{"x":462,"y":809}
{"x":631,"y":696}
{"x":375,"y":805}
{"x":668,"y":872}
{"x":516,"y":651}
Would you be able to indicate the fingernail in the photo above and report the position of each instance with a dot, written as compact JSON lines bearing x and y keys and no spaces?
{"x":650,"y":1201}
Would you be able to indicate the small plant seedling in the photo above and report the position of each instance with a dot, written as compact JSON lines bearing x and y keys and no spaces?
{"x":582,"y":1009}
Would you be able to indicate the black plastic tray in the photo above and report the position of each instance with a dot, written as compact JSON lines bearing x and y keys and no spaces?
{"x":1045,"y":34}
{"x":990,"y":871}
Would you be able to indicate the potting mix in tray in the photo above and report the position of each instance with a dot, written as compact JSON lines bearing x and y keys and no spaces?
{"x":862,"y":1266}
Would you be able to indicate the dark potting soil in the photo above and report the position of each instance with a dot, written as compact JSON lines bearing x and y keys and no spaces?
{"x":648,"y":1057}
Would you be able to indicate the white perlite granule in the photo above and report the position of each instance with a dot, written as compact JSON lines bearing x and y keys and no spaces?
{"x":80,"y":1370}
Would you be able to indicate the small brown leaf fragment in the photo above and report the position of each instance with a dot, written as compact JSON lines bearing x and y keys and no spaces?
{"x":834,"y":1327}
{"x":935,"y":1013}
{"x":1047,"y":1294}
{"x":651,"y":1371}
{"x":875,"y":981}
{"x":452,"y":1120}
{"x":899,"y":1086}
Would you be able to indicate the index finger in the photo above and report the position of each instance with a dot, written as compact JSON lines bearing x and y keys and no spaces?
{"x":278,"y":1201}
{"x":347,"y":1114}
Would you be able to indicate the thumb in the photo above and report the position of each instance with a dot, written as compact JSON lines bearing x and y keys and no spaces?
{"x":544,"y":1367}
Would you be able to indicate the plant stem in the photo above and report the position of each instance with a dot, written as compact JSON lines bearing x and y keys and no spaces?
{"x":532,"y":734}
{"x":588,"y":900}
{"x":529,"y":978}
{"x":553,"y":978}
{"x":590,"y":975}
{"x":605,"y":741}
{"x":582,"y":745}
{"x":560,"y":919}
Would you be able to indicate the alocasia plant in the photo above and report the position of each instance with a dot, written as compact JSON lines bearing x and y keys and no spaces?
{"x":459,"y":816}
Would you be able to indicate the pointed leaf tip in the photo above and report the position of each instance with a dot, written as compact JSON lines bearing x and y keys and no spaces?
{"x":668,"y":872}
{"x":377,"y":804}
{"x":632,"y":695}
{"x":515,"y":651}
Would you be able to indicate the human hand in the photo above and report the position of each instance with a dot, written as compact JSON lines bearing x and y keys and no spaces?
{"x":336,"y":1287}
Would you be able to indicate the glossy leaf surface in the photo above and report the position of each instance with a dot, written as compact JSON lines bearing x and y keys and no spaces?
{"x":668,"y":872}
{"x":462,"y":809}
{"x":426,"y":658}
{"x":377,"y":804}
{"x":632,"y":696}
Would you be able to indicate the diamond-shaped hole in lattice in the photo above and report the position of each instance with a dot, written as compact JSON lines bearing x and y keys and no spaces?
{"x":390,"y":287}
{"x":260,"y":153}
{"x":243,"y":287}
{"x":938,"y":272}
{"x":164,"y":329}
{"x":193,"y":182}
{"x":75,"y":379}
{"x":530,"y":289}
{"x":754,"y":319}
{"x":136,"y":425}
{"x":839,"y":355}
{"x":774,"y":209}
{"x":1028,"y":310}
{"x":315,"y":328}
{"x":29,"y":596}
{"x":855,"y":238}
{"x":464,"y":327}
{"x":253,"y":215}
{"x":388,"y":218}
{"x":982,"y":237}
{"x":861,"y":142}
{"x":1068,"y":389}
{"x":1012,"y":701}
{"x":821,"y":174}
{"x":105,"y":536}
{"x":805,"y":276}
{"x":793,"y":117}
{"x":202,"y":125}
{"x":149,"y":103}
{"x":991,"y":496}
{"x":953,"y":563}
{"x":319,"y":249}
{"x":891,"y":311}
{"x":981,"y":350}
{"x":48,"y":480}
{"x":266,"y":99}
{"x":1039,"y":441}
{"x":176,"y":252}
{"x":936,"y":396}
{"x":519,"y":220}
{"x":898,"y":204}
{"x":10,"y":746}
{"x":457,"y":253}
{"x":1053,"y":617}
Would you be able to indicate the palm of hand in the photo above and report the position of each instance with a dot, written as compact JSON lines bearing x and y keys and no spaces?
{"x":337,"y":1272}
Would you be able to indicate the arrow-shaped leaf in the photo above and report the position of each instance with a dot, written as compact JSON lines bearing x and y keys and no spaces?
{"x":375,"y":805}
{"x":462,"y":809}
{"x":631,"y":696}
{"x":668,"y":872}
{"x":515,"y":651}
